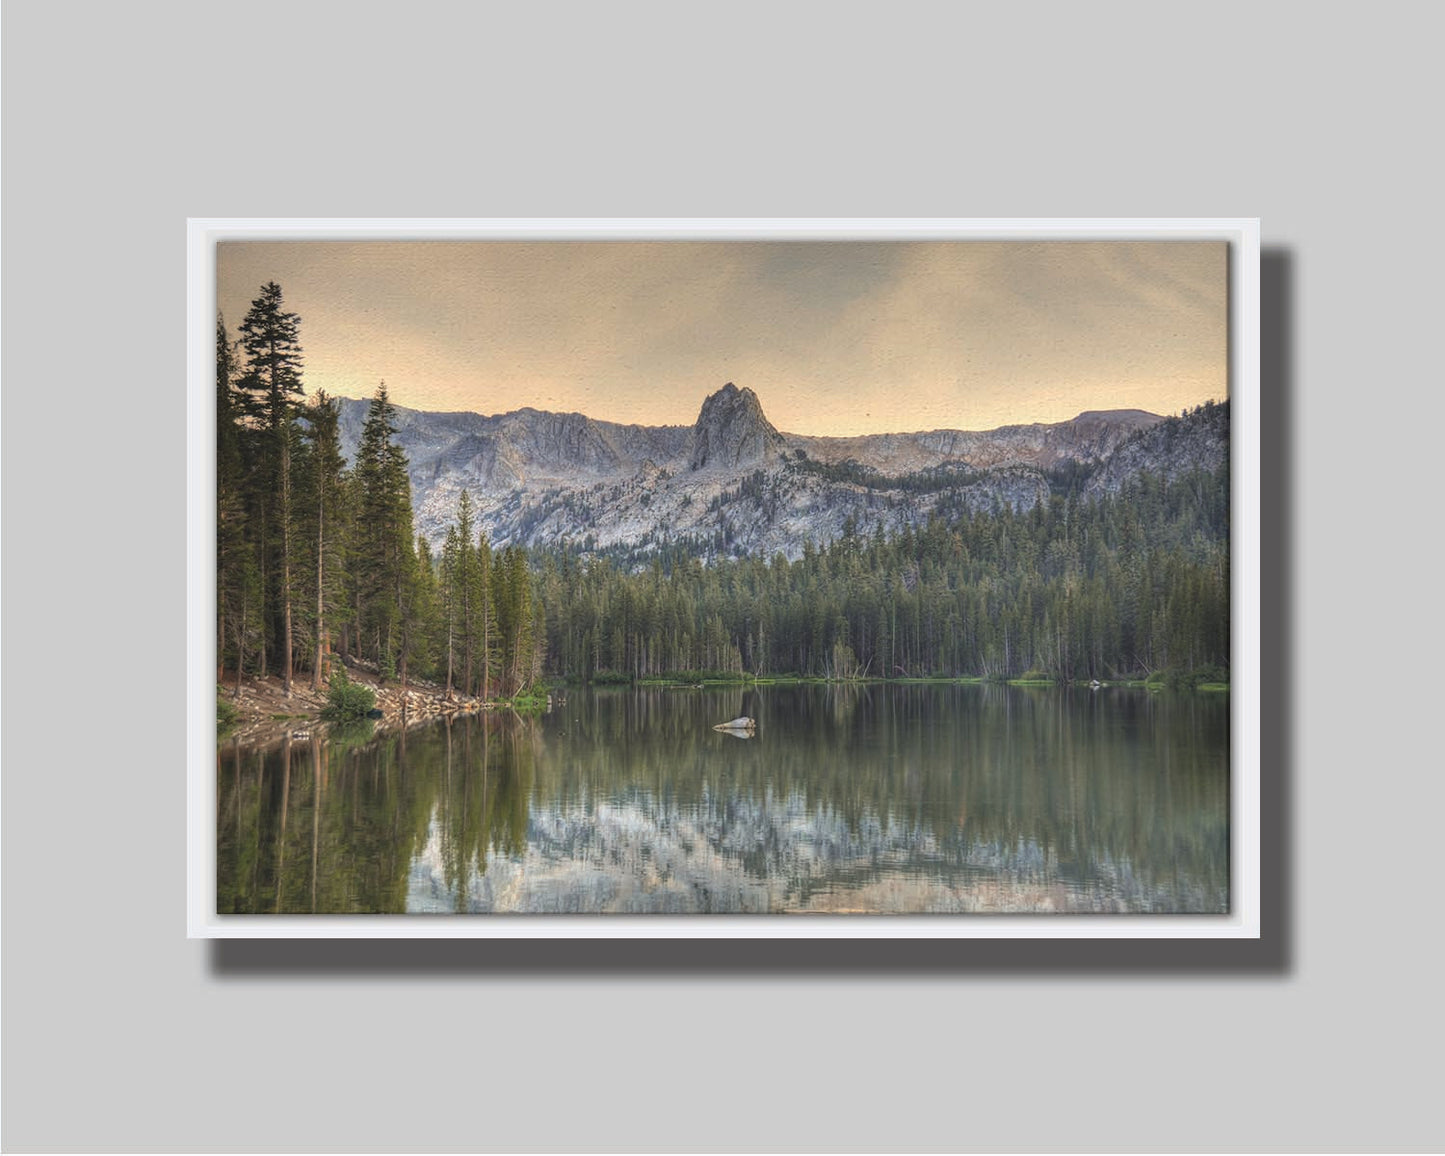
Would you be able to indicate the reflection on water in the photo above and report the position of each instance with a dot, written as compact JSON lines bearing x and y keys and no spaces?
{"x":882,"y":798}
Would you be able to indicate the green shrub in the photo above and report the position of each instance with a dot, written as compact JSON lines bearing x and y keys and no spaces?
{"x":534,"y":699}
{"x":1176,"y":679}
{"x":346,"y":699}
{"x":610,"y":678}
{"x":226,"y":712}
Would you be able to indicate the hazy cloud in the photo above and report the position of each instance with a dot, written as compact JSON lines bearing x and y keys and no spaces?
{"x":835,"y":337}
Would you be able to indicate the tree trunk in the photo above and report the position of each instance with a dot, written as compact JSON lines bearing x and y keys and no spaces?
{"x":220,"y":626}
{"x":320,"y":587}
{"x":486,"y":656}
{"x":466,"y":628}
{"x":449,"y":651}
{"x":265,"y":582}
{"x":286,"y":558}
{"x":240,"y":651}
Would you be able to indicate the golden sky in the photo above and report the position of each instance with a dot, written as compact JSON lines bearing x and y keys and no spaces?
{"x":835,"y":337}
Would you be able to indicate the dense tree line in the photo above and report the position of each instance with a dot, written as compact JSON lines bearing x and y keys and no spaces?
{"x":315,"y":560}
{"x":1129,"y":584}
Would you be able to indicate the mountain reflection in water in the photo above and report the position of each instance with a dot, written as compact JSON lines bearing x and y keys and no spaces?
{"x":877,"y":798}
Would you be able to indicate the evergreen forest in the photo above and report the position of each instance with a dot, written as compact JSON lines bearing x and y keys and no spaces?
{"x":1133,"y":585}
{"x":316,"y":559}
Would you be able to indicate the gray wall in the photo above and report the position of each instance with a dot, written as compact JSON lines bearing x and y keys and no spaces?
{"x":123,"y":119}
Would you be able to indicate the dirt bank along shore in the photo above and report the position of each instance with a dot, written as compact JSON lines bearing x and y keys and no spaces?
{"x":265,"y":712}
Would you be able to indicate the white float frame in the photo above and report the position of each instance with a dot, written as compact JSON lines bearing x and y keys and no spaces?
{"x":1243,"y":921}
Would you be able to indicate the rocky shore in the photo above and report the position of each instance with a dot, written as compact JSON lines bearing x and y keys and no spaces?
{"x":264,"y":712}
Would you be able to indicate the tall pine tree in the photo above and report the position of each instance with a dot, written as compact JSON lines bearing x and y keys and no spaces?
{"x":385,"y":556}
{"x":270,"y":337}
{"x":324,"y":522}
{"x":237,"y":582}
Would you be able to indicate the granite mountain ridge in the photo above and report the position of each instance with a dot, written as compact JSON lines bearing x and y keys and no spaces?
{"x":732,"y":483}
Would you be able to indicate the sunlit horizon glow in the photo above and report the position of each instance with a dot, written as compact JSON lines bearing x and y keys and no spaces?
{"x":835,"y":338}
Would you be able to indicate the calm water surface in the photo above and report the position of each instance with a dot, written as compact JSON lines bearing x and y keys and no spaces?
{"x":881,"y":798}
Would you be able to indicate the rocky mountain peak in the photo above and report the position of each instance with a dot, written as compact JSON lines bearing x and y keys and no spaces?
{"x":731,"y":430}
{"x":541,"y":478}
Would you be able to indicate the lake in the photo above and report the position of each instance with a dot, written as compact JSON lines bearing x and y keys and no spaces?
{"x":869,"y":798}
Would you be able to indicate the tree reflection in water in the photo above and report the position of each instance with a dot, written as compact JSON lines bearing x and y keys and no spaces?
{"x":864,"y":797}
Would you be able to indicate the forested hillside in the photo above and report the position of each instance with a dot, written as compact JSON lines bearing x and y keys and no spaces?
{"x":1130,"y":584}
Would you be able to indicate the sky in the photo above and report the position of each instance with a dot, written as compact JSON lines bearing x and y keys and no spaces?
{"x":836,"y":338}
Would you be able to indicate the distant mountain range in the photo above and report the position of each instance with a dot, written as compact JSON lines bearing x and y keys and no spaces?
{"x":732,"y":483}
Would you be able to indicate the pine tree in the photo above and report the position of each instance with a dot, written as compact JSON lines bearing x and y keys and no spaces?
{"x":270,"y":337}
{"x":465,"y":615}
{"x":385,"y":554}
{"x":467,"y":578}
{"x":425,"y":608}
{"x":450,"y":582}
{"x":482,"y":599}
{"x":230,"y":504}
{"x":516,"y":620}
{"x":324,"y":512}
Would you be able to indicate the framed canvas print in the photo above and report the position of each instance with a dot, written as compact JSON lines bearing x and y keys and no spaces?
{"x":669,"y":578}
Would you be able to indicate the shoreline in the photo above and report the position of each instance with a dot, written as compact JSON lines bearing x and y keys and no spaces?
{"x":264,"y":713}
